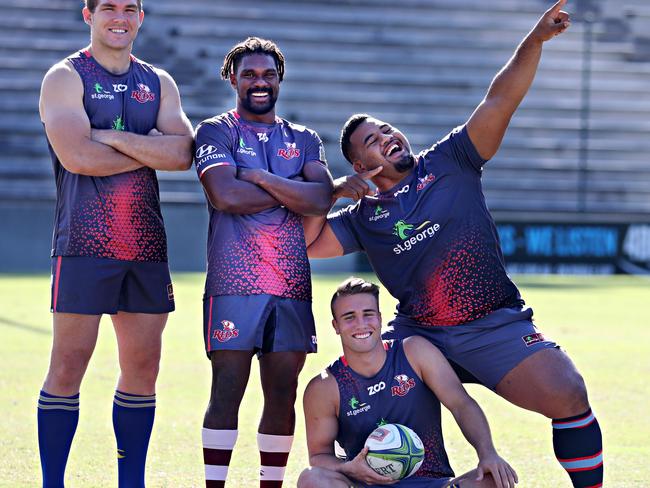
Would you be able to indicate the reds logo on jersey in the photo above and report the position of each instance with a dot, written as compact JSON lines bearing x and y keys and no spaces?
{"x":143,"y":94}
{"x":229,"y":332}
{"x":290,"y":152}
{"x":404,"y":384}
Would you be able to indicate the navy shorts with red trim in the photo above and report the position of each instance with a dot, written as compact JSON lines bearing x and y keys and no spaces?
{"x":95,"y":286}
{"x":260,"y":323}
{"x":481,"y":351}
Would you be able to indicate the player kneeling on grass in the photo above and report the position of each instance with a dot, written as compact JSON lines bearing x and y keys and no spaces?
{"x":377,"y":382}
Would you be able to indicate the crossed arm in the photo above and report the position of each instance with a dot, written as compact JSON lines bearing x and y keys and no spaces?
{"x":248,"y":191}
{"x":93,"y":152}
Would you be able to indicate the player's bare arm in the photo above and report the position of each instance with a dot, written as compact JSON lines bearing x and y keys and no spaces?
{"x":309,"y":197}
{"x":429,"y":363}
{"x":320,"y":404}
{"x":488,"y":124}
{"x":170,"y":147}
{"x":321,"y":241}
{"x":68,"y":127}
{"x":229,"y":194}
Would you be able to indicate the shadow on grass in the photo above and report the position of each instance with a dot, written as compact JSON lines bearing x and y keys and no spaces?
{"x":27,"y":327}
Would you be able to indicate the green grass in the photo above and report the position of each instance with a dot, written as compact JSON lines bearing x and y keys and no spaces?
{"x":603,"y":323}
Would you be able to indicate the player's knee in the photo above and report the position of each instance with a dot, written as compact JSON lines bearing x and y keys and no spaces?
{"x":143,"y":368}
{"x":570,"y":398}
{"x":67,"y":370}
{"x":310,"y":478}
{"x":281,"y":390}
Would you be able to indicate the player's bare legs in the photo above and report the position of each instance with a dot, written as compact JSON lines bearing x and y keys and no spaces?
{"x":548,"y":383}
{"x":279,"y":374}
{"x":139,"y":341}
{"x":73,"y":343}
{"x":230,"y":372}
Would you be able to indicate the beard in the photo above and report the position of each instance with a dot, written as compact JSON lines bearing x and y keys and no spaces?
{"x":405,"y":164}
{"x":256,"y":108}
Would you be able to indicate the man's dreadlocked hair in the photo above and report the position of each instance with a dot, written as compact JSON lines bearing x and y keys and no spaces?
{"x":252,"y":45}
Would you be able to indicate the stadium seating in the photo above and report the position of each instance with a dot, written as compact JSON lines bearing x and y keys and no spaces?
{"x":421,"y":64}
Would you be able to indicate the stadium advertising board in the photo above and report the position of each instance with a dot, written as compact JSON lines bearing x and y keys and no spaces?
{"x":576,"y":248}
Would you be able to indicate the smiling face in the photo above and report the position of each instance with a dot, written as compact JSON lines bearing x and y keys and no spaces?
{"x":114,"y":24}
{"x":376,"y":143}
{"x":358,"y":321}
{"x":257,"y":84}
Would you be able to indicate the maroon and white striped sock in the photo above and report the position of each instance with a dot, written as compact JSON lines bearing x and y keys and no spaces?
{"x":217,"y":450}
{"x":274,"y":453}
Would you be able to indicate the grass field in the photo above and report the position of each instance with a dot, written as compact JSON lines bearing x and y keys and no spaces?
{"x":603,"y":323}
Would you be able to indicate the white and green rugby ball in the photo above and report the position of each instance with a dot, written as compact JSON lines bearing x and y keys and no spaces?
{"x":394,"y":451}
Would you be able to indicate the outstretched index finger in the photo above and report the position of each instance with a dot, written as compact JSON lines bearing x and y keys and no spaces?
{"x":555,"y":9}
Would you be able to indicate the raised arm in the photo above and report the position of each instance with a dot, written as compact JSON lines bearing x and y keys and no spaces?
{"x":68,"y":128}
{"x":321,"y":424}
{"x":167,"y":148}
{"x":487,"y":125}
{"x":429,"y":363}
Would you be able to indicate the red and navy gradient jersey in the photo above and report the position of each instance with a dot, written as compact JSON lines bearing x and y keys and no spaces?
{"x":116,"y":217}
{"x":395,"y":395}
{"x":432,"y":241}
{"x":265,"y":252}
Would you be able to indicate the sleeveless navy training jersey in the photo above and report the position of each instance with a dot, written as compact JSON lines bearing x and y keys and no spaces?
{"x":116,"y":216}
{"x":394,"y":395}
{"x":432,"y":241}
{"x":265,"y":252}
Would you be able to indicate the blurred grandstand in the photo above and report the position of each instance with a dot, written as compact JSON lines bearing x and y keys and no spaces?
{"x":577,"y":149}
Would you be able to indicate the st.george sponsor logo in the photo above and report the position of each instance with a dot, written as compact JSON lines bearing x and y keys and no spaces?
{"x":207,"y":152}
{"x":229,"y":332}
{"x":404,"y":385}
{"x":411,"y":235}
{"x":143,"y":94}
{"x":290,"y":152}
{"x":380,"y":213}
{"x":243,"y":149}
{"x":357,"y":407}
{"x":100,"y":93}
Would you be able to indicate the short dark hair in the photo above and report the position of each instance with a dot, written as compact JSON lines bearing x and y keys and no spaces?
{"x":346,"y":133}
{"x":92,"y":4}
{"x":252,"y":45}
{"x":354,"y":286}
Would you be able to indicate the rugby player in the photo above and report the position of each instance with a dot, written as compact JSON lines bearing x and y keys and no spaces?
{"x":432,"y":242}
{"x":111,"y":120}
{"x":377,"y":382}
{"x":261,"y":174}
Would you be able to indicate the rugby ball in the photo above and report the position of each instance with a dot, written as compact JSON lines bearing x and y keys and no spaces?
{"x":394,"y":451}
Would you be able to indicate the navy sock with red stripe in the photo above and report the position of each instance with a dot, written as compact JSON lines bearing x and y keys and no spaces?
{"x":578,"y":446}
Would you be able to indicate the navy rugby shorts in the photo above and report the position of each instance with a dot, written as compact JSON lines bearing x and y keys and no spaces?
{"x":260,"y":323}
{"x":484,"y":350}
{"x":95,"y":286}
